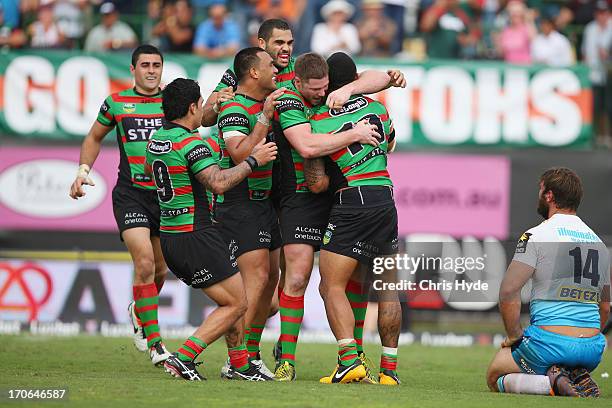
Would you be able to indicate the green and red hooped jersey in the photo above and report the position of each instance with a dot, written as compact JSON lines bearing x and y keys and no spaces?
{"x":238,"y":118}
{"x":175,"y":155}
{"x":357,"y":164}
{"x":135,"y":117}
{"x":284,"y":77}
{"x":292,"y":110}
{"x":214,"y":144}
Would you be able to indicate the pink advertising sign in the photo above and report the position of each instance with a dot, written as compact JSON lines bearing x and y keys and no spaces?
{"x":457,"y":195}
{"x":34,"y":186}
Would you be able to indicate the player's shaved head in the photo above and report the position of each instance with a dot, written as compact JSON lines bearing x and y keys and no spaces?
{"x":267,"y":27}
{"x":342,"y":70}
{"x":178,"y":96}
{"x":565,"y":185}
{"x":246,"y":59}
{"x":310,"y":66}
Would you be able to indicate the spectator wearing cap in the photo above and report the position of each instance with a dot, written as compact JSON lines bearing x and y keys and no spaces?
{"x":111,"y":34}
{"x":217,"y":37}
{"x":44,"y":32}
{"x":336,"y":33}
{"x":376,"y":30}
{"x":596,"y":46}
{"x":550,"y":47}
{"x":448,"y":30}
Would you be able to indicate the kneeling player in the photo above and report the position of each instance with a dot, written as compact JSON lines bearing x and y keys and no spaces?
{"x":569,"y":268}
{"x":182,"y":166}
{"x":363,"y":220}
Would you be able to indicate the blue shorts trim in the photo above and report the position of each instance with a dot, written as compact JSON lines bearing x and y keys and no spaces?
{"x":539,"y":349}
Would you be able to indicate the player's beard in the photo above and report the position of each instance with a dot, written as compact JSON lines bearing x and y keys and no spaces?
{"x":543,"y":208}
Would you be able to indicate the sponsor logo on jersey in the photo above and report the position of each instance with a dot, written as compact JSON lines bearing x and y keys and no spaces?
{"x":198,"y":153}
{"x":521,"y":246}
{"x":160,"y":146}
{"x":577,"y":294}
{"x":289,"y":104}
{"x":234,"y":119}
{"x":350,"y":107}
{"x":229,"y":79}
{"x":129,"y":107}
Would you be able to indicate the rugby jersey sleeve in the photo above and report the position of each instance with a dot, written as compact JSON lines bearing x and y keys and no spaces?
{"x":233,"y":121}
{"x":228,"y":79}
{"x":199,"y":155}
{"x":526,"y":250}
{"x":291,"y":112}
{"x":106,"y":115}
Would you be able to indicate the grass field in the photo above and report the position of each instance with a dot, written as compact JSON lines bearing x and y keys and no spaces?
{"x":109,"y":372}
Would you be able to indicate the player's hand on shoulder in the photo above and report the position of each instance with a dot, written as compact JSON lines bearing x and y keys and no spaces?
{"x":265,"y":153}
{"x":366,"y":133}
{"x":224,"y":95}
{"x":271,"y":102}
{"x":337,"y":98}
{"x":397,"y":78}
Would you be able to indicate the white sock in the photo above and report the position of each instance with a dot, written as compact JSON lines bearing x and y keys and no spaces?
{"x":516,"y":383}
{"x":344,"y":342}
{"x":390,"y":350}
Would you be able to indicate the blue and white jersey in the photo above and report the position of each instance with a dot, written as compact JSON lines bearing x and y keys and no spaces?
{"x":572,"y":267}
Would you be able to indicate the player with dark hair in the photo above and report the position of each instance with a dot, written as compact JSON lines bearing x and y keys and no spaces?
{"x":362,"y":223}
{"x":135,"y":113}
{"x":303,"y":215}
{"x":569,"y":269}
{"x":245,"y":214}
{"x":183,"y":166}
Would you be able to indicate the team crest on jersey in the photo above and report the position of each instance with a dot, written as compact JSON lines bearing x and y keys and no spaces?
{"x":309,"y":112}
{"x":521,"y":246}
{"x":129,"y":107}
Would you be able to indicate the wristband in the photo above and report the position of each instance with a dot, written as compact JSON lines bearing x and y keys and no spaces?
{"x":252,"y":162}
{"x":83,"y":171}
{"x":261,"y":118}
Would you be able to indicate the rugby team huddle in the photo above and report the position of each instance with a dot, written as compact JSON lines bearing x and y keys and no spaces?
{"x":286,"y":172}
{"x":296,"y":163}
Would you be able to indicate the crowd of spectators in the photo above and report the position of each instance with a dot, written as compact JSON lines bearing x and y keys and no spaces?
{"x":551,"y":32}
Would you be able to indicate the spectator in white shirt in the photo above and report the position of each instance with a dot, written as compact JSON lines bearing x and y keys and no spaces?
{"x":596,"y":44}
{"x":112,"y":34}
{"x":550,"y":47}
{"x":336,"y":33}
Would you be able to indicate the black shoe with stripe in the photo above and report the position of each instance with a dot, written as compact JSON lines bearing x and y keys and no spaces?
{"x":182,"y":369}
{"x":251,"y":374}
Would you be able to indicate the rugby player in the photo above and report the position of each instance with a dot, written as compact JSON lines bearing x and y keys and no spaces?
{"x":303,"y":215}
{"x":276,"y":38}
{"x":569,"y":269}
{"x":362,"y":223}
{"x":183,"y":166}
{"x":135,"y":113}
{"x":244,"y":214}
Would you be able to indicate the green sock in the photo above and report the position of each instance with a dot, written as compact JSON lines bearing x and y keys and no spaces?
{"x":359,"y":304}
{"x":347,"y":351}
{"x":253,"y":339}
{"x":239,"y":357}
{"x":191,"y":349}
